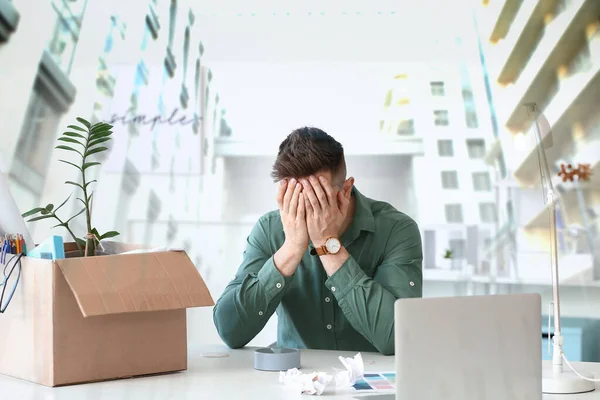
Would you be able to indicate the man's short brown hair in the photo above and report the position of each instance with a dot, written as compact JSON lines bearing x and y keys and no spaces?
{"x":307,"y":151}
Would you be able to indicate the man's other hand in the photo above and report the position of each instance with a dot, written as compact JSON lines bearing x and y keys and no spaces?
{"x":324,"y":218}
{"x":293,"y":218}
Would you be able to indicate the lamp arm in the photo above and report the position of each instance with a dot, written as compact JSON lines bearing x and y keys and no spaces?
{"x":551,"y":202}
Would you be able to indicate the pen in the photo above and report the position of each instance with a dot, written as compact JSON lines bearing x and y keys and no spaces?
{"x":23,"y":245}
{"x":3,"y":250}
{"x":13,"y":246}
{"x":17,"y":244}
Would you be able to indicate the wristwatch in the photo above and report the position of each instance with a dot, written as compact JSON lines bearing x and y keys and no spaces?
{"x":332,"y":246}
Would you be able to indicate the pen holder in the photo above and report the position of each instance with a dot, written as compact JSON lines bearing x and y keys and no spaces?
{"x":276,"y":359}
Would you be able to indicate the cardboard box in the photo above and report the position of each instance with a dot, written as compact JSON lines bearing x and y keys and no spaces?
{"x":90,"y":319}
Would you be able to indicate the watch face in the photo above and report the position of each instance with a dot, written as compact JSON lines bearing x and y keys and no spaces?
{"x":333,"y":245}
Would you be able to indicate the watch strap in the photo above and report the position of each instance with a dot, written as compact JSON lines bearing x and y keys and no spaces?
{"x":319,"y":251}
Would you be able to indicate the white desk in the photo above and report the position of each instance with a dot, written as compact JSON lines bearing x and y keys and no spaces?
{"x":232,"y":377}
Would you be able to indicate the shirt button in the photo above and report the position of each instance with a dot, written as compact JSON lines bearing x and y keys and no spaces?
{"x":278,"y":285}
{"x":412,"y":283}
{"x":333,"y":288}
{"x":328,"y":326}
{"x":327,"y":299}
{"x":260,"y":313}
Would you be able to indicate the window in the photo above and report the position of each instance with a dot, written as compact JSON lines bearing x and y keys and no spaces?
{"x":481,"y":182}
{"x":467,"y":95}
{"x":487,"y":213}
{"x":471,"y":117}
{"x":449,"y":180}
{"x":457,"y":247}
{"x":470,"y":111}
{"x":476,"y":148}
{"x":31,"y":161}
{"x":445,"y":148}
{"x":406,"y":127}
{"x":454,"y":214}
{"x":437,"y":88}
{"x":440,"y":117}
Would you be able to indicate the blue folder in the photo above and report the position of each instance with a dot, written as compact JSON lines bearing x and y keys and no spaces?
{"x":50,"y":249}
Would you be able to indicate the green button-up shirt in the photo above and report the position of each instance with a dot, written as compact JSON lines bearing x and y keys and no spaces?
{"x":351,"y":310}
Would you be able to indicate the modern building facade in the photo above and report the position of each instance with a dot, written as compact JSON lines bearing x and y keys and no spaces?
{"x":128,"y":65}
{"x":547,"y":53}
{"x":443,"y":101}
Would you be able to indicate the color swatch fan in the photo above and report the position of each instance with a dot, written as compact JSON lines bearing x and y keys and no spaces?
{"x":11,"y":221}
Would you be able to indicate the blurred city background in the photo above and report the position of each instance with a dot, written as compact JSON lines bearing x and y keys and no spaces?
{"x":427,"y":100}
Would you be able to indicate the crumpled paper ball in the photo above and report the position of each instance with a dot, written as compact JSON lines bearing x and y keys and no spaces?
{"x":315,"y":383}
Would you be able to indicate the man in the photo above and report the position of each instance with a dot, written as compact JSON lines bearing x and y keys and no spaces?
{"x":330,"y":261}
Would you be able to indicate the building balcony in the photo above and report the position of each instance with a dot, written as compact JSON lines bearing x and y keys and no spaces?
{"x":170,"y":63}
{"x":571,"y":104}
{"x":409,"y":146}
{"x":501,"y":14}
{"x":152,"y":21}
{"x":566,"y":192}
{"x":184,"y":96}
{"x":523,"y":33}
{"x":563,"y":37}
{"x":9,"y":19}
{"x":568,"y":202}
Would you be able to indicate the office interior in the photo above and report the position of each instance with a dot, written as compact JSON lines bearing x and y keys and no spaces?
{"x":429,"y":110}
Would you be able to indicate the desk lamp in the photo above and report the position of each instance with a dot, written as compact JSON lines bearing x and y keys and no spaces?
{"x":554,"y":379}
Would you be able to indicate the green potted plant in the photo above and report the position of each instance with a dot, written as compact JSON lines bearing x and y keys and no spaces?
{"x":86,"y":140}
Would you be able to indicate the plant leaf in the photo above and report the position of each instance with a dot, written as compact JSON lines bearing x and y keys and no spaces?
{"x":66,"y":139}
{"x":44,"y":212}
{"x":94,"y":151}
{"x":57,"y":225}
{"x":50,"y":207}
{"x":73,"y":134}
{"x":98,"y":141}
{"x":74,"y":184}
{"x":84,"y":122}
{"x":31,"y":212}
{"x":76,"y":215}
{"x":77,"y":128}
{"x":69,"y":148}
{"x":62,"y":204}
{"x":39,"y":218}
{"x":86,"y":185}
{"x":82,"y":202}
{"x":99,"y":135}
{"x":90,"y":164}
{"x":70,"y":163}
{"x":100,"y":129}
{"x":95,"y":232}
{"x":109,"y":234}
{"x":101,"y":126}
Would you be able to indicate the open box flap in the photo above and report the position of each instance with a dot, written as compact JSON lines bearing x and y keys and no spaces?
{"x":135,"y":282}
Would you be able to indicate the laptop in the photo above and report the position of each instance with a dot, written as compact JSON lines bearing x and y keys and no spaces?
{"x":469,"y":348}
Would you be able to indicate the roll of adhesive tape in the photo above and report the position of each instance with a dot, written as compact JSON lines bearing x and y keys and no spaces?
{"x":275,"y":359}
